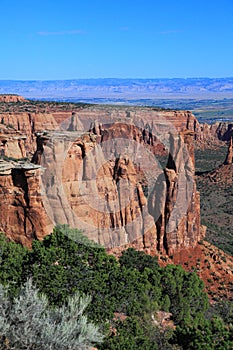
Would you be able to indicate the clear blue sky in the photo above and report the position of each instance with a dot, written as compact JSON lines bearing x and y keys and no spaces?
{"x":66,"y":39}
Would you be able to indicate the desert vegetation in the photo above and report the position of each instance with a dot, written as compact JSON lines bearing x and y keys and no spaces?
{"x":75,"y":287}
{"x":216,"y":199}
{"x":34,"y":106}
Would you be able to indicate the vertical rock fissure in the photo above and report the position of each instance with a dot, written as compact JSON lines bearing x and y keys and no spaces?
{"x":158,"y":225}
{"x":20,"y":180}
{"x":32,"y":123}
{"x":168,"y":203}
{"x":150,"y":215}
{"x":143,"y":223}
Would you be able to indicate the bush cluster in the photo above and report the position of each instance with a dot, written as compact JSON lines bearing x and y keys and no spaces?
{"x":135,"y":287}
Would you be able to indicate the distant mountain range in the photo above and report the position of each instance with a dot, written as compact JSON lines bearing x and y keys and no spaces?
{"x":121,"y":89}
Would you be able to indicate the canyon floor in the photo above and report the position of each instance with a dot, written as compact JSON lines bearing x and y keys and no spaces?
{"x":216,"y":199}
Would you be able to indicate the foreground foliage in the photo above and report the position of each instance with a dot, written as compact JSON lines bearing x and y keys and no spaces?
{"x":134,"y":287}
{"x":27,"y":322}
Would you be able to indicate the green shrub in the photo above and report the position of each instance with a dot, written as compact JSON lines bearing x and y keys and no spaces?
{"x":27,"y":322}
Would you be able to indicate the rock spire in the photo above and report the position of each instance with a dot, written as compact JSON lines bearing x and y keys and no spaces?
{"x":229,"y":156}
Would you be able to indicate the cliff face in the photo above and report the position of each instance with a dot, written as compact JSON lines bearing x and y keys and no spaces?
{"x":26,"y":125}
{"x":109,"y":180}
{"x":208,"y":135}
{"x":123,"y":175}
{"x":22,"y":213}
{"x":12,"y":144}
{"x":224,"y":131}
{"x":223,"y":174}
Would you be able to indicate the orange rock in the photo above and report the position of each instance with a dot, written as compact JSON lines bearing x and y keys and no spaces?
{"x":22,"y":214}
{"x":229,"y":156}
{"x":102,"y":174}
{"x":11,"y":98}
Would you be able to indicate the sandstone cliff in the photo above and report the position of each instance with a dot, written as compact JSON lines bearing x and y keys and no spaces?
{"x":11,"y":98}
{"x":12,"y":143}
{"x":101,"y":170}
{"x":26,"y":125}
{"x":109,"y":182}
{"x":209,"y":135}
{"x":22,"y":213}
{"x":223,"y":174}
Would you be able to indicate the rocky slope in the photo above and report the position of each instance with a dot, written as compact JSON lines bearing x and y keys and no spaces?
{"x":213,"y":265}
{"x":223,"y":174}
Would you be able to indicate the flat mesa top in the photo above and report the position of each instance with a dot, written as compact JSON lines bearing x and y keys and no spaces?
{"x":18,"y":104}
{"x":11,"y":98}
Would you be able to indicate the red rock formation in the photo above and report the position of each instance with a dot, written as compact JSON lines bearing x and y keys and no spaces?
{"x":12,"y":145}
{"x":223,"y":174}
{"x":102,"y":175}
{"x":224,"y":131}
{"x":22,"y":214}
{"x":27,"y":125}
{"x":212,"y":135}
{"x":213,"y":265}
{"x":229,"y":156}
{"x":12,"y":98}
{"x":105,"y":192}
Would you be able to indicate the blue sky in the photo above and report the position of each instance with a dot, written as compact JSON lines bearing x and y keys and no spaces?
{"x":124,"y":39}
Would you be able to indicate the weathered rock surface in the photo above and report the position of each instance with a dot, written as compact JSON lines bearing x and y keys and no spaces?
{"x":211,"y":135}
{"x":99,"y":180}
{"x":22,"y":214}
{"x":11,"y":98}
{"x":26,"y":125}
{"x":229,"y":157}
{"x":223,"y":174}
{"x":102,"y":174}
{"x":12,"y":144}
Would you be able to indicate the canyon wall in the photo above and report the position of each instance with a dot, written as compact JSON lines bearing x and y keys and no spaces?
{"x":124,"y":175}
{"x":22,"y":214}
{"x":26,"y":125}
{"x":208,"y":135}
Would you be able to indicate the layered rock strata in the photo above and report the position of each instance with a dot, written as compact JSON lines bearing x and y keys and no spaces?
{"x":22,"y":213}
{"x":209,"y":135}
{"x":223,"y":175}
{"x":101,"y":170}
{"x":26,"y":125}
{"x":108,"y":182}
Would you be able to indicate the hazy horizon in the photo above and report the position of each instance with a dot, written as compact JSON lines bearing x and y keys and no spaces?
{"x":125,"y":78}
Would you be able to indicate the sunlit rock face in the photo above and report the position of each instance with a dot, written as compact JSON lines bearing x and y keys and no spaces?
{"x":8,"y":98}
{"x":125,"y":176}
{"x":212,"y":135}
{"x":22,"y":213}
